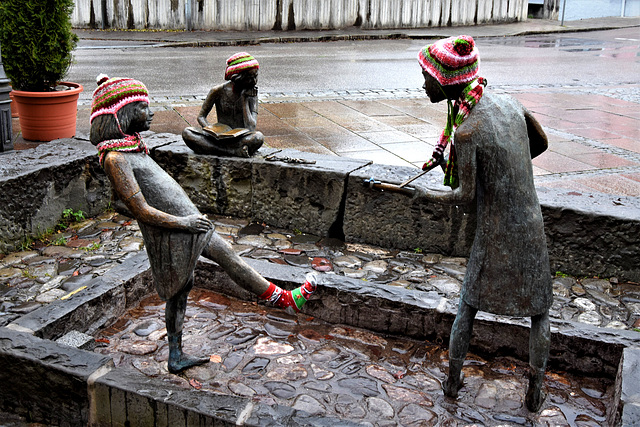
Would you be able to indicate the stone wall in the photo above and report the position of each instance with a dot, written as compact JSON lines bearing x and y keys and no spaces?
{"x":263,"y":15}
{"x":587,"y":234}
{"x":37,"y":185}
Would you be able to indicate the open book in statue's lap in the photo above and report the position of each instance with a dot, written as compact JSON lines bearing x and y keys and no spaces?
{"x":236,"y":103}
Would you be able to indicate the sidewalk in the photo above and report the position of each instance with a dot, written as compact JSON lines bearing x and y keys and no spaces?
{"x":594,"y":140}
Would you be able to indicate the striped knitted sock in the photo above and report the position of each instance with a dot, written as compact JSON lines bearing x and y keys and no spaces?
{"x":290,"y":301}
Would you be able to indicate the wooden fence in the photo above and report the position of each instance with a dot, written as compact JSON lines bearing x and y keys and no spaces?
{"x":292,"y":14}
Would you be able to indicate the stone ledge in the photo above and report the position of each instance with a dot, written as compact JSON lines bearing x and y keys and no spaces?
{"x":46,"y":381}
{"x":105,"y":299}
{"x":587,"y":234}
{"x":128,"y":397}
{"x":37,"y":185}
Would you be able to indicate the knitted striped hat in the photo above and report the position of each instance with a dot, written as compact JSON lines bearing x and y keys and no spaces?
{"x":113,"y":94}
{"x":239,"y":62}
{"x":451,"y":61}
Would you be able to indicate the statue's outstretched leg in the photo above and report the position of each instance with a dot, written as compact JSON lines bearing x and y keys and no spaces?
{"x":458,"y":346}
{"x":240,"y":272}
{"x":539,"y":342}
{"x":174,"y":319}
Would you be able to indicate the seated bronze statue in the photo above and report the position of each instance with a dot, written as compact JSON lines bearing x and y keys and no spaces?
{"x":175,"y":233}
{"x":236,"y":103}
{"x":491,"y":141}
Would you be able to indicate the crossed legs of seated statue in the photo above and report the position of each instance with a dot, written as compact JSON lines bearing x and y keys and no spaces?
{"x":202,"y":142}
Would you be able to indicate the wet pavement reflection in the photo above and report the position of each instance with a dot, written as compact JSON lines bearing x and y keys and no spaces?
{"x":336,"y":371}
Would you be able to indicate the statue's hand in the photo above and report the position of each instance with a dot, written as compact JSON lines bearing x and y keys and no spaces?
{"x":197,"y":223}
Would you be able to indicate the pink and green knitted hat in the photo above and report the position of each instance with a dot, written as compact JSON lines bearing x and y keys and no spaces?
{"x":451,"y":61}
{"x":113,"y":94}
{"x":239,"y":62}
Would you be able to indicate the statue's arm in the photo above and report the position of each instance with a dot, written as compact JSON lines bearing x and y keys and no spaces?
{"x":123,"y":180}
{"x":466,"y":191}
{"x":207,"y":105}
{"x":250,"y":108}
{"x":538,"y":141}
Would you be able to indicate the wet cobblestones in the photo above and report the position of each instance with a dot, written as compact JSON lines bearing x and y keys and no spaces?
{"x":336,"y":371}
{"x":47,"y":272}
{"x":298,"y":361}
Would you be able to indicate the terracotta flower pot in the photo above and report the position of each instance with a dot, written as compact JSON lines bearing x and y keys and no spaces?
{"x":45,"y":116}
{"x":14,"y":106}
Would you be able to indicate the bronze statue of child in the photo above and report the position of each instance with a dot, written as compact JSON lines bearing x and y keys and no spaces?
{"x":236,"y":103}
{"x":175,"y":233}
{"x":489,"y":161}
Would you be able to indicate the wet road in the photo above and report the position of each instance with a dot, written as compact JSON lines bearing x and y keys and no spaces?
{"x":589,"y":58}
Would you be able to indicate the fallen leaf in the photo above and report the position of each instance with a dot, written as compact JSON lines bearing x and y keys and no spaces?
{"x":104,"y":340}
{"x":195,"y":384}
{"x":215,"y":358}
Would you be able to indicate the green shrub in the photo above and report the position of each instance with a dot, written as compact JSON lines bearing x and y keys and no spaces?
{"x":37,"y":42}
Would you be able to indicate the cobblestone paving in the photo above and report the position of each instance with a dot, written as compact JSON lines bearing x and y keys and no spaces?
{"x":305,"y":363}
{"x":629,"y":93}
{"x":336,"y":371}
{"x":61,"y":264}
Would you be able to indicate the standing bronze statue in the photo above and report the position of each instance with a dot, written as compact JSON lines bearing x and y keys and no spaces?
{"x":492,"y":140}
{"x":236,"y":103}
{"x":175,"y":233}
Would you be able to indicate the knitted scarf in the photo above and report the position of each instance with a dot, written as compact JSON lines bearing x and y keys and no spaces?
{"x":128,"y":144}
{"x":457,"y":114}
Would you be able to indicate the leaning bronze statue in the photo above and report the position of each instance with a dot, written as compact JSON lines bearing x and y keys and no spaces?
{"x":175,"y":233}
{"x":236,"y":103}
{"x":492,"y":140}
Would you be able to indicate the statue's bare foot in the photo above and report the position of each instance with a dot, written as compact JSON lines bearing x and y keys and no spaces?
{"x":452,"y":385}
{"x":179,"y":363}
{"x":535,"y":396}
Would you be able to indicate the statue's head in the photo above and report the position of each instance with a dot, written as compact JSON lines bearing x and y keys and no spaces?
{"x":448,"y":64}
{"x":120,"y":107}
{"x":242,"y":70}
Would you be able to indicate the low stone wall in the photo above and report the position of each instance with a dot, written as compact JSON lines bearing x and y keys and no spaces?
{"x":37,"y":185}
{"x":587,"y":234}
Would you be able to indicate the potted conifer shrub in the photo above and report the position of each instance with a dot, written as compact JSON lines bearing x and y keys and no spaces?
{"x":37,"y":44}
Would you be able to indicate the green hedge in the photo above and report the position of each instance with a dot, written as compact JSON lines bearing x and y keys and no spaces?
{"x":37,"y":42}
